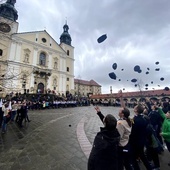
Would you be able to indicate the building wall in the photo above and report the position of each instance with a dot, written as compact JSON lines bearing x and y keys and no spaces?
{"x":22,"y":51}
{"x":85,"y":90}
{"x":69,"y":67}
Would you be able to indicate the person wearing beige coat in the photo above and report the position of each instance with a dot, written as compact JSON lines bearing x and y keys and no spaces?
{"x":124,"y":125}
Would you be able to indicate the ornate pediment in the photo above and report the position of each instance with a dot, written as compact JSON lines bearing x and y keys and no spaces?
{"x":42,"y":72}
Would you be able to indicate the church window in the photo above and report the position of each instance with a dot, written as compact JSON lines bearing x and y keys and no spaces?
{"x":67,"y":69}
{"x":44,"y":40}
{"x":68,"y":52}
{"x":42,"y":59}
{"x":23,"y":86}
{"x":67,"y":79}
{"x":1,"y":52}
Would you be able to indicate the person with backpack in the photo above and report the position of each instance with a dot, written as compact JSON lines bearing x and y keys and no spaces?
{"x":156,"y":121}
{"x":153,"y":145}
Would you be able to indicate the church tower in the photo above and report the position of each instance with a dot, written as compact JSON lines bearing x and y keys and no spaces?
{"x":65,"y":43}
{"x":8,"y":17}
{"x":65,"y":36}
{"x":8,"y":27}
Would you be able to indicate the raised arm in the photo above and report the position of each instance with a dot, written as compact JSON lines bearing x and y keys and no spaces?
{"x":101,"y":116}
{"x":161,"y":113}
{"x":122,"y":103}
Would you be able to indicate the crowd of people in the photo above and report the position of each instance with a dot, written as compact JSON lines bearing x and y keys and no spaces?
{"x":11,"y":111}
{"x":16,"y":109}
{"x":123,"y":143}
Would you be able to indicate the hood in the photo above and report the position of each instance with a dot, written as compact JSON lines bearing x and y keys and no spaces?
{"x":110,"y":135}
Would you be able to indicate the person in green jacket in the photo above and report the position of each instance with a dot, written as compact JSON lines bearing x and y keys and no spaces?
{"x":165,"y":128}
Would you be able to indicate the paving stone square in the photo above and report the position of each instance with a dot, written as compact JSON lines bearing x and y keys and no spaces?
{"x":55,"y":139}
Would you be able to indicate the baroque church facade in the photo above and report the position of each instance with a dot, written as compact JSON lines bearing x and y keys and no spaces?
{"x":33,"y":62}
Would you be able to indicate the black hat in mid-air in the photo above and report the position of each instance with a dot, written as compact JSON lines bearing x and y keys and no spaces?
{"x":112,"y":75}
{"x":114,"y":66}
{"x":101,"y":38}
{"x":134,"y":80}
{"x":157,"y":69}
{"x":166,"y":88}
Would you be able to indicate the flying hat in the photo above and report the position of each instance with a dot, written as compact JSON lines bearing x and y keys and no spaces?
{"x":157,"y":69}
{"x":114,"y":66}
{"x":101,"y":38}
{"x":166,"y":88}
{"x":134,"y":80}
{"x":112,"y":75}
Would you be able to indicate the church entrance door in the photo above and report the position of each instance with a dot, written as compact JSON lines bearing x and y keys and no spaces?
{"x":40,"y":88}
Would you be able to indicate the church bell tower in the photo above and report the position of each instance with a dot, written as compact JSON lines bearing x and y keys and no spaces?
{"x":8,"y":17}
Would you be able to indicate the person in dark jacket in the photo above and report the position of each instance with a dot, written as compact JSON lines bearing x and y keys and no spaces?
{"x":138,"y":138}
{"x":104,"y":153}
{"x":156,"y":121}
{"x":153,"y":146}
{"x":23,"y":113}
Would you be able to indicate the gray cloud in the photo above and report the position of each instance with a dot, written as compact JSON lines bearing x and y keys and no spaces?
{"x":137,"y":31}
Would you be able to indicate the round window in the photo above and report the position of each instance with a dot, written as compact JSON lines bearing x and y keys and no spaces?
{"x":44,"y":40}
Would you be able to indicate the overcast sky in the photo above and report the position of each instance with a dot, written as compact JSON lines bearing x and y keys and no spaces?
{"x":138,"y":33}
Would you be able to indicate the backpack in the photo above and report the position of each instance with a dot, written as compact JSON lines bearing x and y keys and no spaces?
{"x":155,"y":143}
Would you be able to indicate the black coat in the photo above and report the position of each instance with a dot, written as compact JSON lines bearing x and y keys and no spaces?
{"x":138,"y":134}
{"x":23,"y":111}
{"x":155,"y":119}
{"x":104,"y":153}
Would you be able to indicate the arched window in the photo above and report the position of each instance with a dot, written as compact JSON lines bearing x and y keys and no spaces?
{"x":1,"y":52}
{"x":42,"y":59}
{"x":68,"y":52}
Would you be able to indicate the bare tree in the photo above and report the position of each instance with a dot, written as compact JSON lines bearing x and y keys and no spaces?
{"x":9,"y":79}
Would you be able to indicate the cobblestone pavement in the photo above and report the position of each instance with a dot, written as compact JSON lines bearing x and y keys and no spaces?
{"x":55,"y":139}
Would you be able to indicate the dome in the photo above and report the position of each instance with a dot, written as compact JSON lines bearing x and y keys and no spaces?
{"x":7,"y":10}
{"x":65,"y":36}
